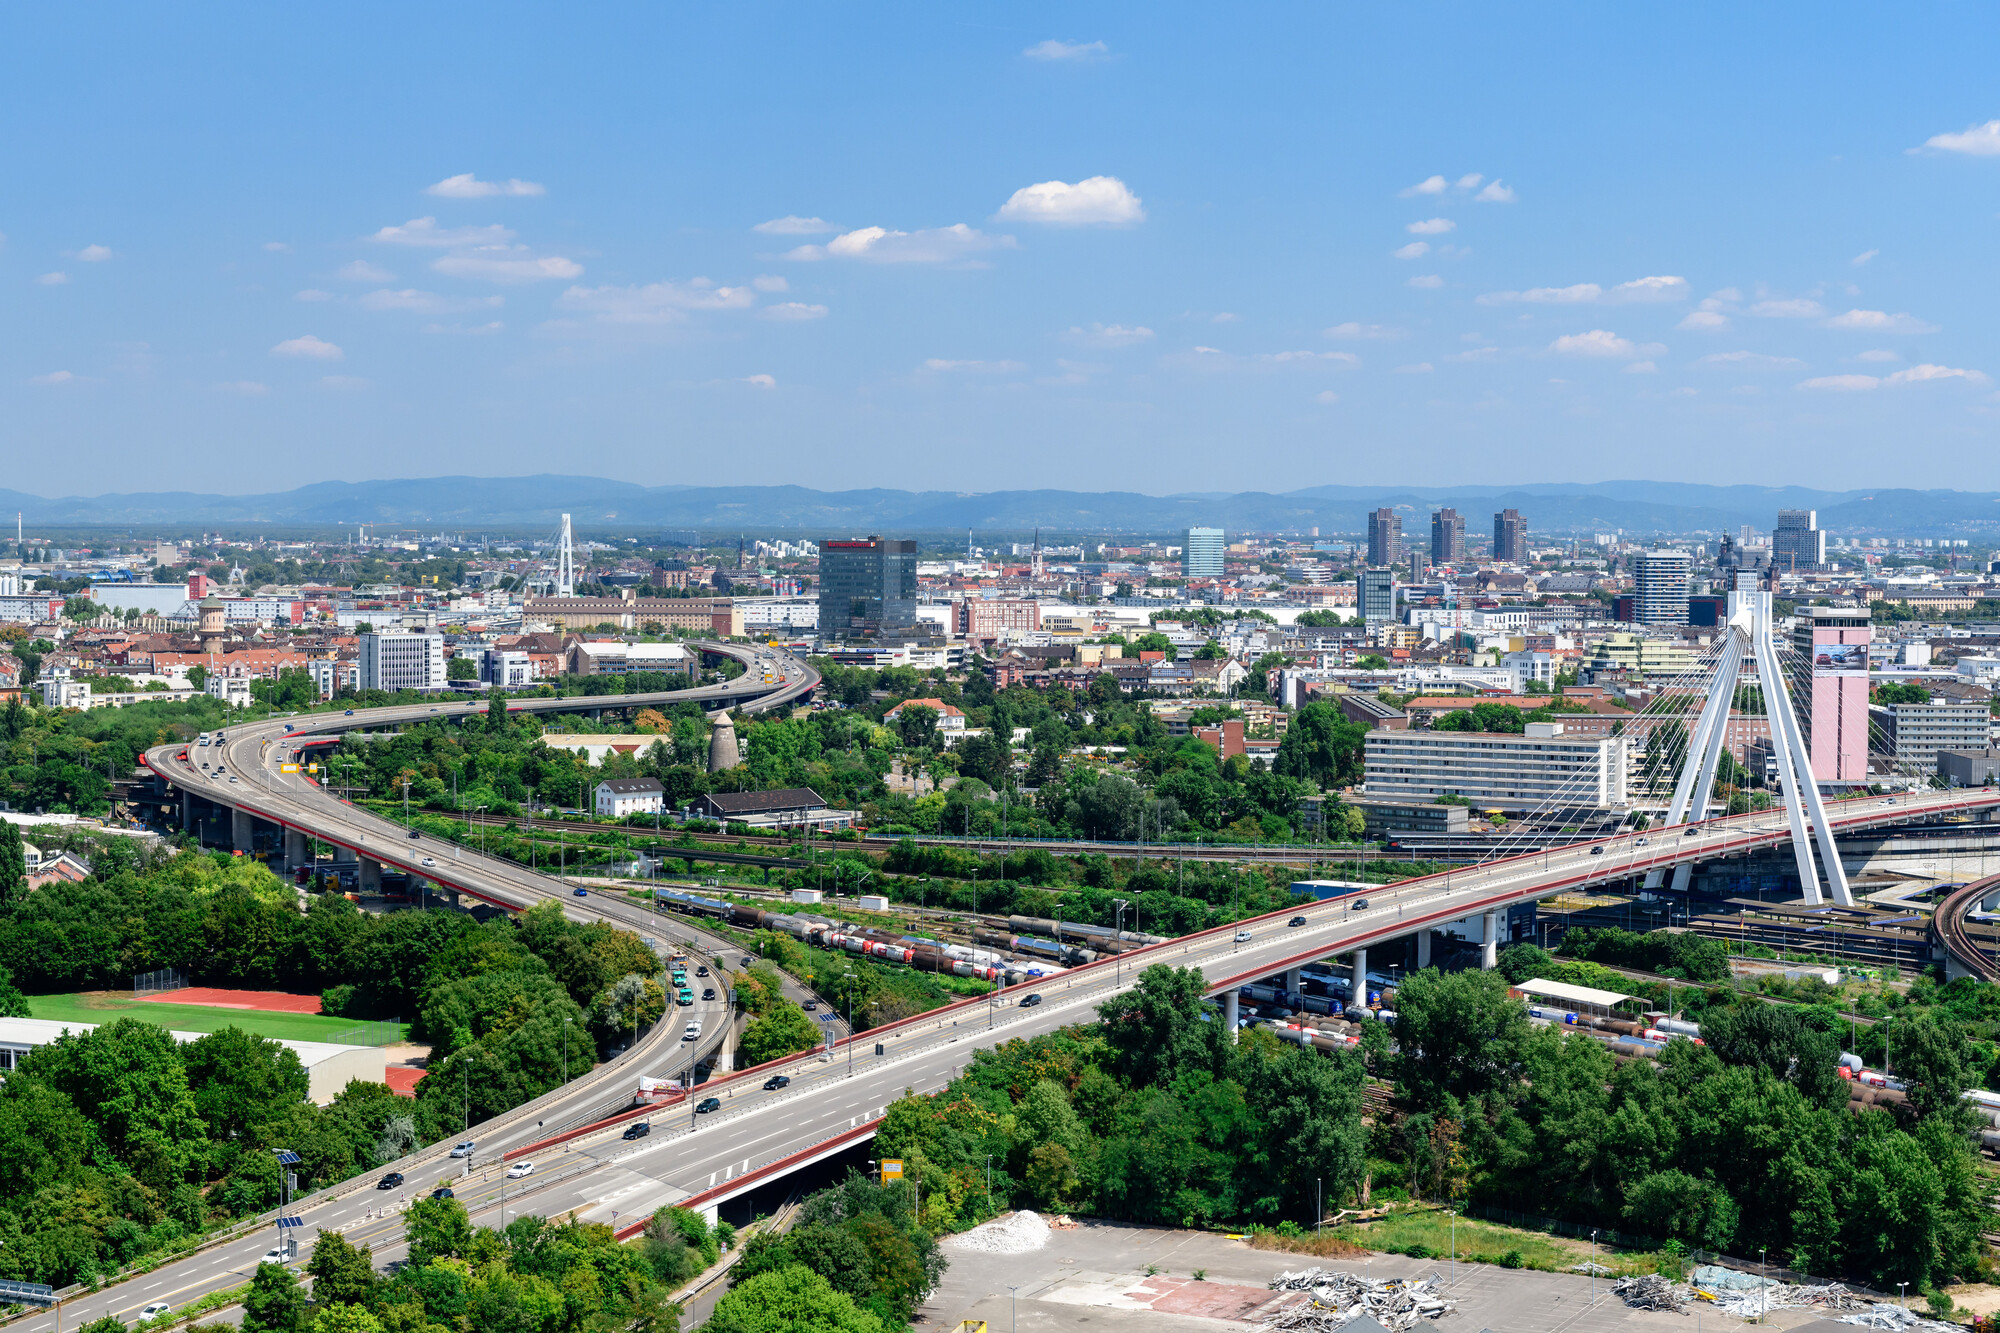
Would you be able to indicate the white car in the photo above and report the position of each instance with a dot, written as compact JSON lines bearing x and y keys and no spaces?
{"x":692,"y":1031}
{"x":154,"y":1311}
{"x":1243,"y":937}
{"x":519,"y":1169}
{"x":273,"y":1257}
{"x":429,"y":862}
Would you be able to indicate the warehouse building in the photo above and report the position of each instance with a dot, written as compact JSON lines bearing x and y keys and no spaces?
{"x":329,"y":1068}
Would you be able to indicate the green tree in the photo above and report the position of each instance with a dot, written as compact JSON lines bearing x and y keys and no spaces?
{"x":1321,"y":747}
{"x":1156,"y":1030}
{"x":344,"y":1319}
{"x":130,"y":1077}
{"x":787,"y":1299}
{"x":13,"y":862}
{"x":437,"y":1229}
{"x":1780,"y":1040}
{"x":782,"y":1029}
{"x":341,"y":1273}
{"x":917,"y":727}
{"x":1936,"y":1059}
{"x":275,"y":1301}
{"x":240,"y":1080}
{"x":461,"y":668}
{"x":1458,"y":1035}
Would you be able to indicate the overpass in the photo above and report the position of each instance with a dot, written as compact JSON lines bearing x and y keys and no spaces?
{"x":1969,"y":949}
{"x":835,"y":1099}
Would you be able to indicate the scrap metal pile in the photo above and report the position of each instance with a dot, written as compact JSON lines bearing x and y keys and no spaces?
{"x":1396,"y":1304}
{"x":1746,"y":1296}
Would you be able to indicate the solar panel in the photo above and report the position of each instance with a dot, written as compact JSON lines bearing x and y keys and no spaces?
{"x":26,"y":1293}
{"x":291,"y":1222}
{"x":286,"y":1157}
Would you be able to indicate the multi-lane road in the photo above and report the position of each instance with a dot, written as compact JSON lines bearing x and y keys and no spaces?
{"x":703,"y":1159}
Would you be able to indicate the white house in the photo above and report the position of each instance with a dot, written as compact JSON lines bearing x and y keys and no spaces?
{"x":619,"y":797}
{"x":949,"y":718}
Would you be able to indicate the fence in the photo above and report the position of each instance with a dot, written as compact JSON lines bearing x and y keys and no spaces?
{"x":153,"y":983}
{"x":1612,"y":1239}
{"x":382,"y":1032}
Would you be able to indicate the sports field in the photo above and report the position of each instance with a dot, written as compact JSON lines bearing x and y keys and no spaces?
{"x":109,"y":1006}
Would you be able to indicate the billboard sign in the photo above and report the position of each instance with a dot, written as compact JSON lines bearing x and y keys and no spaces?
{"x":1840,"y":659}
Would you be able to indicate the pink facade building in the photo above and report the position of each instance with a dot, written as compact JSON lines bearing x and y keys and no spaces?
{"x":1833,"y":708}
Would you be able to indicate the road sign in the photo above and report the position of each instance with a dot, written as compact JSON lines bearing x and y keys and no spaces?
{"x":288,"y":768}
{"x":892,"y":1169}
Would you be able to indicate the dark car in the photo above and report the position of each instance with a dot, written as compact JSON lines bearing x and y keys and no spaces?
{"x":708,"y":992}
{"x":1597,"y":851}
{"x":775,"y":1082}
{"x":746,"y":962}
{"x":1296,"y":921}
{"x":414,"y":834}
{"x":707,"y":1104}
{"x":637,"y":1131}
{"x":809,"y":1005}
{"x":350,"y":712}
{"x":701,"y":971}
{"x":443,"y":1192}
{"x":1030,"y":1001}
{"x":1358,"y":905}
{"x":581,"y":893}
{"x":391,"y":1181}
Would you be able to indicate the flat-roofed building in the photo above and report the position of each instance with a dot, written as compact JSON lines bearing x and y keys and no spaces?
{"x":1541,"y":769}
{"x":329,"y":1067}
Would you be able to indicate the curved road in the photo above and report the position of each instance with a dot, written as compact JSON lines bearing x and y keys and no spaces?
{"x":832,"y":1100}
{"x":1962,"y":951}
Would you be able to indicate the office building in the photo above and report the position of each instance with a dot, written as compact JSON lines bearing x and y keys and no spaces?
{"x":402,"y":661}
{"x":1201,"y":553}
{"x":1797,"y":543}
{"x":1660,"y":587}
{"x":618,"y":797}
{"x":1541,"y":769}
{"x":1832,"y":698}
{"x":1385,"y":537}
{"x":866,"y":587}
{"x":1913,"y":735}
{"x":1375,"y":595}
{"x":1447,"y":536}
{"x":1510,"y":538}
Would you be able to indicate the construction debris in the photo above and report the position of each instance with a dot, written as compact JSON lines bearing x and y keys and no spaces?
{"x":1746,"y":1296}
{"x":1653,"y":1291}
{"x":1396,"y":1304}
{"x":1885,"y":1316}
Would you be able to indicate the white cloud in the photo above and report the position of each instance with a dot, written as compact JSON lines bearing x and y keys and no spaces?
{"x":1470,"y":180}
{"x":57,"y":279}
{"x":1638,"y":291}
{"x":465,"y":186}
{"x":1597,"y":342}
{"x":1974,"y":140}
{"x":1420,"y":368}
{"x":1721,"y":297}
{"x":1097,"y":201}
{"x":505,"y":265}
{"x":1326,"y":396}
{"x":1921,"y":374}
{"x":1796,"y":308}
{"x":1371,"y":332}
{"x":770,"y":282}
{"x":1496,"y":193}
{"x":1309,"y":358}
{"x":426,"y":234}
{"x":1414,"y":250}
{"x":277,"y":247}
{"x":313,"y":294}
{"x":342,"y":383}
{"x":1842,"y":383}
{"x":1863,"y":257}
{"x":1641,"y":290}
{"x":1110,"y":335}
{"x":939,"y":365}
{"x":53,"y":378}
{"x":242,"y":388}
{"x":1215,"y":359}
{"x":761,"y":381}
{"x":1879,"y":354}
{"x":1705,"y":321}
{"x":94,"y":254}
{"x":1055,"y":50}
{"x":793,"y":225}
{"x":1581,"y":293}
{"x":1877,"y":321}
{"x":1749,"y":360}
{"x":360,"y":270}
{"x":793,"y":311}
{"x":308,"y":346}
{"x":1428,"y":185}
{"x":425,"y":303}
{"x":1431,"y":227}
{"x":1642,"y":368}
{"x":470,"y":330}
{"x":1426,"y":280}
{"x":656,"y":302}
{"x":879,"y":245}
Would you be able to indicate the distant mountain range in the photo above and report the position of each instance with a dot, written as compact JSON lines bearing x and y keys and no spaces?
{"x":516,"y":504}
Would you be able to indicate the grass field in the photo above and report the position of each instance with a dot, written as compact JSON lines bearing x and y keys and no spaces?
{"x":109,"y":1006}
{"x":1485,"y":1242}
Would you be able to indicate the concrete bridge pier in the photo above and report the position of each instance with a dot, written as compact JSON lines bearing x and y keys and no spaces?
{"x":369,"y":878}
{"x":241,"y":822}
{"x":1423,"y":949}
{"x":1357,"y":993}
{"x":1489,"y":951}
{"x":1230,"y":1002}
{"x":295,"y":849}
{"x":1292,"y":982}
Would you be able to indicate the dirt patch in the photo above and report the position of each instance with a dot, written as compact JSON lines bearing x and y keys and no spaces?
{"x":1322,"y":1247}
{"x":402,"y":1079}
{"x":214,"y":997}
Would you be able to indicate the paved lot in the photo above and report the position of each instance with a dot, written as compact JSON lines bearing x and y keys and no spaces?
{"x":1095,"y":1278}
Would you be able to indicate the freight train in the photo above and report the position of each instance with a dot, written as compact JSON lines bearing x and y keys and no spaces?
{"x":925,"y":955}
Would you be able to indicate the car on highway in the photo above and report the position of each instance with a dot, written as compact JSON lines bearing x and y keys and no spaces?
{"x":1030,"y":1001}
{"x":1358,"y":905}
{"x":414,"y":835}
{"x":691,"y":1031}
{"x":701,"y":971}
{"x":637,"y":1131}
{"x":1244,"y":937}
{"x":580,"y":893}
{"x":465,"y":1149}
{"x":390,"y":1181}
{"x":683,"y":998}
{"x":519,"y":1169}
{"x":444,"y":1192}
{"x":809,"y":1005}
{"x":776,"y":1081}
{"x":154,"y":1311}
{"x":429,"y":862}
{"x":1640,"y":842}
{"x":1597,"y":851}
{"x":708,"y":992}
{"x":349,"y":713}
{"x":273,"y":1256}
{"x":1296,"y":921}
{"x":707,"y":1104}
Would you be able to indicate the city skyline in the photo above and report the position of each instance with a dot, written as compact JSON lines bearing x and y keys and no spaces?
{"x":1068,"y":246}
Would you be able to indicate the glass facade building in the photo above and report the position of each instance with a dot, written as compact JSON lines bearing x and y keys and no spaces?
{"x":866,"y":586}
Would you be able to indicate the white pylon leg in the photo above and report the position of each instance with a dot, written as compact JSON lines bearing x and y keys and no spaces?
{"x":1778,"y":697}
{"x":1697,"y":779}
{"x":565,"y":562}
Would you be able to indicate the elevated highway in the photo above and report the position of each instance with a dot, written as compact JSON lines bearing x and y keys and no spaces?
{"x":834,"y":1099}
{"x":1969,"y":950}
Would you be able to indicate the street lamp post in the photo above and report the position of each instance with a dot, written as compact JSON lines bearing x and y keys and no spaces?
{"x":848,"y":977}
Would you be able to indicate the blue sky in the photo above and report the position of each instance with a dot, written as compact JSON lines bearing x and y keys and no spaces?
{"x":1155,"y":248}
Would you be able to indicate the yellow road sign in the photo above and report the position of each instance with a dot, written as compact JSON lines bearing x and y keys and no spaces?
{"x":892,"y":1169}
